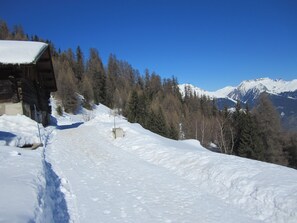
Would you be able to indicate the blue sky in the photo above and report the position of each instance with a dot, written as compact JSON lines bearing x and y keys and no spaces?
{"x":211,"y":43}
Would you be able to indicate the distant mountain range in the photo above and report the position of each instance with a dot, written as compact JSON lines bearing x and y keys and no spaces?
{"x":283,"y":95}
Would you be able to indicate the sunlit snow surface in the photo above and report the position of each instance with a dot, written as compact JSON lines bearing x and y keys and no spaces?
{"x":85,"y":175}
{"x":20,"y":52}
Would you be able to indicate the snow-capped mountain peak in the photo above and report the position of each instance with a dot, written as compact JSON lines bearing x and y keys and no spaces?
{"x":193,"y":89}
{"x":266,"y":84}
{"x":255,"y":87}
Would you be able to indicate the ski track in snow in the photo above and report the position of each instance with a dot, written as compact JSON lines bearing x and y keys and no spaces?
{"x":114,"y":185}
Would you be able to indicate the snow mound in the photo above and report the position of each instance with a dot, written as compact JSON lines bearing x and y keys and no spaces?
{"x":22,"y":184}
{"x":266,"y":191}
{"x":19,"y":131}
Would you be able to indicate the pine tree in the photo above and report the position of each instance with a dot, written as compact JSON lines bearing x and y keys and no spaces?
{"x":249,"y":143}
{"x":4,"y":30}
{"x":161,"y":123}
{"x":239,"y":123}
{"x":268,"y":122}
{"x":172,"y":132}
{"x":112,"y":76}
{"x":132,"y":110}
{"x":289,"y":142}
{"x":157,"y":123}
{"x":97,"y":74}
{"x":79,"y":66}
{"x":18,"y":33}
{"x":66,"y":85}
{"x":87,"y":92}
{"x":142,"y":109}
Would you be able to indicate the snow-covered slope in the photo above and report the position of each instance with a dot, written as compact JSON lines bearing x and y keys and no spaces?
{"x":83,"y":174}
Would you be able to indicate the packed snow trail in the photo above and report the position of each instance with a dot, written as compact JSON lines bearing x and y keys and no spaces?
{"x":103,"y":183}
{"x":55,"y":206}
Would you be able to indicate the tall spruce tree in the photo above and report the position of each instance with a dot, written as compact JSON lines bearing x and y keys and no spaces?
{"x":172,"y":132}
{"x":79,"y":66}
{"x":132,"y":109}
{"x":66,"y":84}
{"x":157,"y":122}
{"x":97,"y":74}
{"x":268,"y":122}
{"x":113,"y":73}
{"x":87,"y":92}
{"x":4,"y":30}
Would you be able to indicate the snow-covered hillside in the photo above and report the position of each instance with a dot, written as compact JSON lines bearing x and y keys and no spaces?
{"x":83,"y":174}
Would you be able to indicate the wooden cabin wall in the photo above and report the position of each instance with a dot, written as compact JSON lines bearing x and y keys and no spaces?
{"x":8,"y":84}
{"x":6,"y":91}
{"x":29,"y":93}
{"x":30,"y":84}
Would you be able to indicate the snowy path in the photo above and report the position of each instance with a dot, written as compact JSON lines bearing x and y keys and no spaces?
{"x":104,"y":183}
{"x":84,"y":175}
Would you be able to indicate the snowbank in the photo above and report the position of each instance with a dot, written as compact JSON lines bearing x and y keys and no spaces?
{"x":19,"y":131}
{"x":266,"y":191}
{"x":22,"y":185}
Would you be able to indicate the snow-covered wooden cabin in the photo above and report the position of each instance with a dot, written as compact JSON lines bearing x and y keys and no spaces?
{"x":26,"y":79}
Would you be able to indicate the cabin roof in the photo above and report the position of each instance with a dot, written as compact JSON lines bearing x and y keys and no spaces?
{"x":20,"y":52}
{"x":15,"y":55}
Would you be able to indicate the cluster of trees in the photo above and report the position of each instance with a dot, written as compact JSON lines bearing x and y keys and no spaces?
{"x":158,"y":105}
{"x":256,"y":134}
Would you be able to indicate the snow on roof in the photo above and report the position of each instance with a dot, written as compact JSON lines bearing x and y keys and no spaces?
{"x":20,"y":52}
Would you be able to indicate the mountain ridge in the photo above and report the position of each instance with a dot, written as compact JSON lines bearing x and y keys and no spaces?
{"x":282,"y":93}
{"x":266,"y":84}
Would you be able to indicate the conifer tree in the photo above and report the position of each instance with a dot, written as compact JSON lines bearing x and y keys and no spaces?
{"x":172,"y":132}
{"x":79,"y":66}
{"x":268,"y":122}
{"x":249,"y":143}
{"x":4,"y":30}
{"x":66,"y":84}
{"x":161,"y":123}
{"x":132,"y":110}
{"x":87,"y":92}
{"x":112,"y":76}
{"x":97,"y":74}
{"x":18,"y":33}
{"x":157,"y":123}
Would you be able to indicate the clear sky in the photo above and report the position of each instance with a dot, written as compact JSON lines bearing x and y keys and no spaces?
{"x":210,"y":43}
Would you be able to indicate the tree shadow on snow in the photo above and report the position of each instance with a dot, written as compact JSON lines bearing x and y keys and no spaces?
{"x":56,"y":198}
{"x":54,"y":122}
{"x":71,"y":126}
{"x":7,"y":137}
